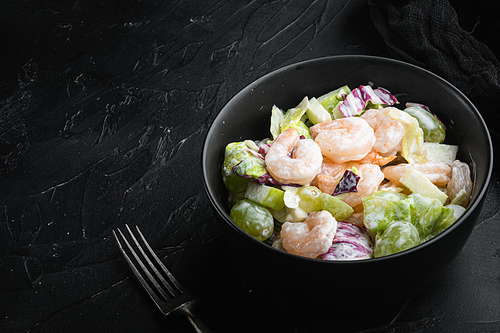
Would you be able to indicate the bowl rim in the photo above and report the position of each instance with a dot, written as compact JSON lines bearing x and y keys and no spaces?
{"x":478,"y":201}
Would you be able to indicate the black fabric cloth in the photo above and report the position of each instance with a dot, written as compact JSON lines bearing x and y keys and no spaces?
{"x":431,"y":34}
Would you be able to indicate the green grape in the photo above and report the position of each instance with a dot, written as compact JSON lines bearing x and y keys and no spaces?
{"x":234,"y":183}
{"x":309,"y":198}
{"x":253,"y":218}
{"x":434,"y":130}
{"x":397,"y":237}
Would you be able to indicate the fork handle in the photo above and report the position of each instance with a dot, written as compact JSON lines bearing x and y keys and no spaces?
{"x":197,"y":324}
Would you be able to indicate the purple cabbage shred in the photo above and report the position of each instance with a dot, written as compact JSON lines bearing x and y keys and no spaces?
{"x":357,"y":100}
{"x":254,"y":153}
{"x":351,"y":242}
{"x":425,"y":107}
{"x":264,"y":148}
{"x":411,"y":104}
{"x":348,"y":183}
{"x":267,"y":179}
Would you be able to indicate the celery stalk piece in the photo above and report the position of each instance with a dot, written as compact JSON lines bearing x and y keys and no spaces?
{"x":440,"y":152}
{"x":289,"y":214}
{"x":316,"y":112}
{"x":412,"y":145}
{"x":339,"y":209}
{"x":290,"y":197}
{"x":416,"y":182}
{"x":265,"y":195}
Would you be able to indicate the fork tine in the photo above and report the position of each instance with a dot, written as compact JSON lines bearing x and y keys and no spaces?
{"x":181,"y":301}
{"x":158,"y":301}
{"x":157,"y":260}
{"x":163,"y":267}
{"x":146,"y":286}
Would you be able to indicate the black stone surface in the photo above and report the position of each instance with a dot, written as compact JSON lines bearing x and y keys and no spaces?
{"x":104,"y":107}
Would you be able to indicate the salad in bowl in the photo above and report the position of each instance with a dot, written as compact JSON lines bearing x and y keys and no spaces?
{"x":376,"y":233}
{"x":348,"y":175}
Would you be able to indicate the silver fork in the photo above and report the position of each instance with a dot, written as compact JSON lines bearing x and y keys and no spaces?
{"x":168,"y":294}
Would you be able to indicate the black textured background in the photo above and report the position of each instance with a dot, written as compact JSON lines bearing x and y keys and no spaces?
{"x":103,"y":111}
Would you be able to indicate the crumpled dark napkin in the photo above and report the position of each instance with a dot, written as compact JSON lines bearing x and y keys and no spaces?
{"x":429,"y":34}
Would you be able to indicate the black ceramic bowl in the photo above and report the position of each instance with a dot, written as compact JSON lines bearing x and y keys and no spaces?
{"x":387,"y":279}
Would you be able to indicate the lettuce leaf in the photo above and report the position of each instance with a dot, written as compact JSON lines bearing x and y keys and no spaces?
{"x":331,"y":99}
{"x":451,"y":216}
{"x":429,"y":212}
{"x":292,"y":118}
{"x":240,"y":165}
{"x":379,"y":209}
{"x":427,"y":216}
{"x":276,"y":117}
{"x":397,"y":237}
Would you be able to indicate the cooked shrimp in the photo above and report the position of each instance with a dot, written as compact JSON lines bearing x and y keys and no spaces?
{"x":277,"y":244}
{"x":459,"y":187}
{"x":370,"y":179}
{"x":438,"y":173}
{"x":344,"y":139}
{"x":326,"y":179}
{"x":310,"y":238}
{"x":388,"y":131}
{"x":326,"y":183}
{"x":375,"y":158}
{"x":301,"y":167}
{"x":391,"y":187}
{"x":329,"y":167}
{"x":356,"y":218}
